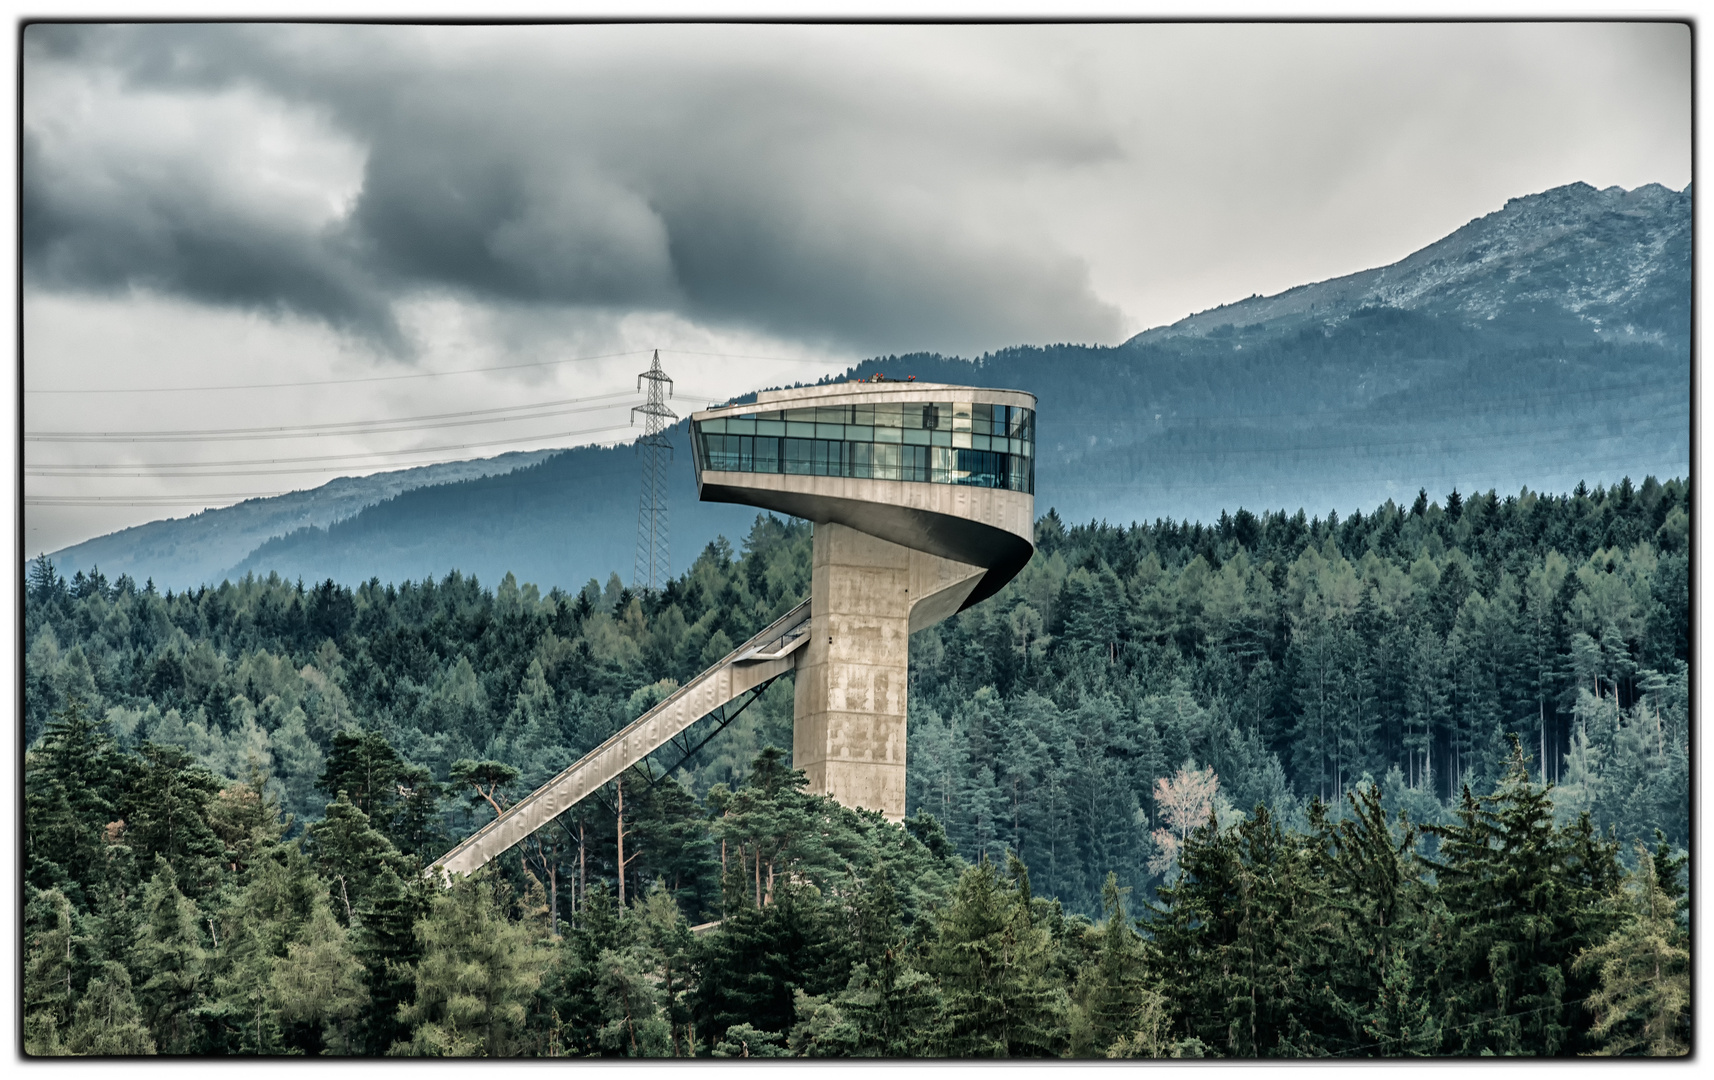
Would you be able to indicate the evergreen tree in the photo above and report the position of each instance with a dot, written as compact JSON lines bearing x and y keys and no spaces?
{"x":316,"y":989}
{"x":752,"y":964}
{"x":74,"y":782}
{"x":48,"y":993}
{"x":635,"y":1024}
{"x":1643,"y":1004}
{"x":367,"y":768}
{"x":1373,"y":944}
{"x":990,"y":957}
{"x":669,"y":949}
{"x":385,"y":943}
{"x":350,"y":855}
{"x":475,"y":979}
{"x":107,"y":1022}
{"x":172,"y":957}
{"x":169,"y":815}
{"x":1112,"y":990}
{"x":1519,"y":895}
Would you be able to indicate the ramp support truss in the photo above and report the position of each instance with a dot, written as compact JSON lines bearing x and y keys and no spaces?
{"x":748,"y":669}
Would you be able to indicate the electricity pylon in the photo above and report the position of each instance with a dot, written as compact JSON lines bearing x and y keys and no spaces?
{"x":651,"y":568}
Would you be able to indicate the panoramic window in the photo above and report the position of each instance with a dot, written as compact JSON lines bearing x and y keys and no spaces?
{"x":943,"y":442}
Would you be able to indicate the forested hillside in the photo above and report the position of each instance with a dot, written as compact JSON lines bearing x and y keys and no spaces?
{"x":229,"y":792}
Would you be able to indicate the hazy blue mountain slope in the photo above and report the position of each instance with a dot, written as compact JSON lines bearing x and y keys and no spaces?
{"x":566,"y":519}
{"x":198,"y":548}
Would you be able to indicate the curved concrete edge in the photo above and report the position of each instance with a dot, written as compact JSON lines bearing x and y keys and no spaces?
{"x":986,"y":527}
{"x":893,"y":391}
{"x":939,"y":589}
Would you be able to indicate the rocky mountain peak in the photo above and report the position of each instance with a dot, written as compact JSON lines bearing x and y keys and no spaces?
{"x":1573,"y":261}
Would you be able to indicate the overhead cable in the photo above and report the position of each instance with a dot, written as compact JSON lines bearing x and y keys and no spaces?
{"x":91,"y":470}
{"x":351,"y":427}
{"x":411,"y":375}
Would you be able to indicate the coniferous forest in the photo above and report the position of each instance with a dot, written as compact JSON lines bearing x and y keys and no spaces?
{"x":1407,"y":783}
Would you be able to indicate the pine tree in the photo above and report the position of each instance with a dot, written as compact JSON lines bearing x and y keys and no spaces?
{"x":1518,"y":894}
{"x":1375,"y":939}
{"x":823,"y":1030}
{"x":1269,"y":921}
{"x":634,"y":1024}
{"x":754,"y":961}
{"x":175,"y":964}
{"x":367,"y":768}
{"x":1643,"y":1004}
{"x":385,"y":943}
{"x":747,"y":1041}
{"x":350,"y":855}
{"x":1113,"y":989}
{"x":569,"y":985}
{"x":475,"y":979}
{"x":107,"y":1022}
{"x":670,"y":949}
{"x":316,"y":990}
{"x":990,"y":959}
{"x":74,"y":782}
{"x":169,"y":815}
{"x":48,"y":993}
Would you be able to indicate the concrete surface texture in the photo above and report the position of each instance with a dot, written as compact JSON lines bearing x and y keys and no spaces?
{"x":981,"y":526}
{"x":867,"y":595}
{"x":896,"y":550}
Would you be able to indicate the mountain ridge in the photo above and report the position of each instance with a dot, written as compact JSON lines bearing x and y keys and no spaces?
{"x":1526,"y":226}
{"x":1544,"y":344}
{"x":220,"y":536}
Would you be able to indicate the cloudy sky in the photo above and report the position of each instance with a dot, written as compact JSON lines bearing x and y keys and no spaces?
{"x":374,"y":237}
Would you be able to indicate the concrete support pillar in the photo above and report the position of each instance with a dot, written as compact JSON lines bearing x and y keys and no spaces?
{"x":867,"y":596}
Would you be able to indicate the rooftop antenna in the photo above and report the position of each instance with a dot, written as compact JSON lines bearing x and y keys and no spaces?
{"x":651,"y":565}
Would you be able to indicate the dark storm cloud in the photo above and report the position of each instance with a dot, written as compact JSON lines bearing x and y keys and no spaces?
{"x":157,"y":238}
{"x":762,"y":182}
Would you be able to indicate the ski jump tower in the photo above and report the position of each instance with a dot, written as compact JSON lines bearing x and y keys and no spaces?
{"x":922,"y":497}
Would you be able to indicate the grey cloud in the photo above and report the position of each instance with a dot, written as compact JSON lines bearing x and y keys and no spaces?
{"x":155,"y":238}
{"x":739,"y":190}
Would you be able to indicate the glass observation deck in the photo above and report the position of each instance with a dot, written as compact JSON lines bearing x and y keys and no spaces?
{"x":945,"y":442}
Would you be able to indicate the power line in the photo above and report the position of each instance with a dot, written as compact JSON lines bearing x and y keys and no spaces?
{"x":298,"y":431}
{"x":313,"y":469}
{"x":416,"y":375}
{"x":337,"y":382}
{"x":99,"y":470}
{"x":402,"y":427}
{"x":144,"y":500}
{"x":778,"y":359}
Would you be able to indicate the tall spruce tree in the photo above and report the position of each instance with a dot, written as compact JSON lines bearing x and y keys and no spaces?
{"x":989,"y":958}
{"x":172,"y":957}
{"x":1643,"y":1003}
{"x":1520,"y":897}
{"x":1113,"y":989}
{"x":386,"y":944}
{"x":75,"y":780}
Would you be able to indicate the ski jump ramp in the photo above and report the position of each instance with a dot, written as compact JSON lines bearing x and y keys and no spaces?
{"x":923,"y":500}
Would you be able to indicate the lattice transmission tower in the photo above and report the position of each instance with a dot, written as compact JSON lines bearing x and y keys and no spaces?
{"x":652,"y":568}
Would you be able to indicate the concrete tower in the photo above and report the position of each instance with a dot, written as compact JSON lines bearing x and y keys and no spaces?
{"x":922,"y":496}
{"x":923,"y":499}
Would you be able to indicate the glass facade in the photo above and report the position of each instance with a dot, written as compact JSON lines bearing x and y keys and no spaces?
{"x":942,"y":442}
